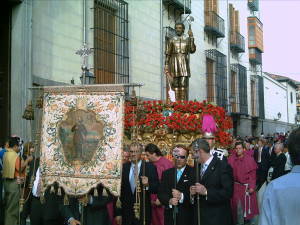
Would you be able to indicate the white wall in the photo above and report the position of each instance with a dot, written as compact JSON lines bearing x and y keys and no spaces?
{"x":275,"y":99}
{"x":57,"y":33}
{"x":144,"y":46}
{"x":292,"y":107}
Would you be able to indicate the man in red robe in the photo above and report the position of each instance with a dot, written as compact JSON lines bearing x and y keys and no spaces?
{"x":155,"y":156}
{"x":243,"y":203}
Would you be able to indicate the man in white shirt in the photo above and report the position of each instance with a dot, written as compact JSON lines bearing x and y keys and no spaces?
{"x":213,"y":185}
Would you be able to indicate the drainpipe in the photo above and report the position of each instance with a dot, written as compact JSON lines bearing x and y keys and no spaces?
{"x":84,"y":21}
{"x":161,"y":53}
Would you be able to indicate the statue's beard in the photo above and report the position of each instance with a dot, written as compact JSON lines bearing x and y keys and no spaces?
{"x":179,"y":33}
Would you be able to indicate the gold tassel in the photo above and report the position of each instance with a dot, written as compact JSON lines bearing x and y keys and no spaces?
{"x":119,"y":204}
{"x":21,"y":204}
{"x":52,"y":189}
{"x":95,"y":192}
{"x":104,"y":193}
{"x":42,"y":198}
{"x":66,"y":200}
{"x":59,"y":191}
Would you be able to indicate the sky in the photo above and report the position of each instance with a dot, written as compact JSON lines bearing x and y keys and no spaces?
{"x":281,"y":27}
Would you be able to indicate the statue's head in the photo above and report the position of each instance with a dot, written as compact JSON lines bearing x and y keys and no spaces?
{"x":179,"y":28}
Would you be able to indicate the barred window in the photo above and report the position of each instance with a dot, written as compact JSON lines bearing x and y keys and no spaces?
{"x":111,"y":53}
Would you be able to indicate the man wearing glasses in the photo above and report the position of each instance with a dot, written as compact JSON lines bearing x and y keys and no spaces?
{"x":137,"y":175}
{"x":173,"y":191}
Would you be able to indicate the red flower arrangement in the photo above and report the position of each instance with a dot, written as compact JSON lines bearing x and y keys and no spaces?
{"x":182,"y":116}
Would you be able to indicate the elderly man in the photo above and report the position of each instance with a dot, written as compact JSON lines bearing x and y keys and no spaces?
{"x":136,"y":173}
{"x":212,"y":187}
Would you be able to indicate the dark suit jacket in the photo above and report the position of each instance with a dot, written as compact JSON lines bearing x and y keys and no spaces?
{"x":278,"y":163}
{"x":185,"y":210}
{"x":128,"y":198}
{"x":94,"y":213}
{"x":263,"y":166}
{"x":50,"y":209}
{"x":215,"y":208}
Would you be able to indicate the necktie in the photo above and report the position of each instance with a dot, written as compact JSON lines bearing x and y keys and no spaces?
{"x":179,"y":173}
{"x":132,"y":178}
{"x":203,"y":168}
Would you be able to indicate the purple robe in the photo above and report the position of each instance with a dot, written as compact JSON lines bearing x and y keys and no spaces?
{"x":158,"y":211}
{"x":244,"y":173}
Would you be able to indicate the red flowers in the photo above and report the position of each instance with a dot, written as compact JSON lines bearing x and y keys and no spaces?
{"x":184,"y":116}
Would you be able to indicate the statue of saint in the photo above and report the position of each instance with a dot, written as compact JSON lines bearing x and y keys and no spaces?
{"x":80,"y":133}
{"x":177,"y":65}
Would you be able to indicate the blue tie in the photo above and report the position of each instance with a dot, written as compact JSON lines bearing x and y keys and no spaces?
{"x":179,"y":173}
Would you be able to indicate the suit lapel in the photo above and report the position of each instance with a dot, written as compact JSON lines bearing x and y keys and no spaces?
{"x":209,"y":170}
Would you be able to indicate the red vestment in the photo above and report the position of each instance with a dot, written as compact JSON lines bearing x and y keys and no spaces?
{"x":244,"y":173}
{"x":158,"y":211}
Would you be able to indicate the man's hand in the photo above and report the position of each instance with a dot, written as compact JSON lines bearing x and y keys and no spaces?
{"x":193,"y":190}
{"x":74,"y":222}
{"x":20,"y":180}
{"x":145,"y":180}
{"x":176,"y":194}
{"x":157,"y":202}
{"x":200,"y":189}
{"x":190,"y":33}
{"x":250,"y":190}
{"x":118,"y":220}
{"x":173,"y":201}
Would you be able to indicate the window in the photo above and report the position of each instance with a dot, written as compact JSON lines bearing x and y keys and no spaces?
{"x":291,"y":97}
{"x":111,"y":54}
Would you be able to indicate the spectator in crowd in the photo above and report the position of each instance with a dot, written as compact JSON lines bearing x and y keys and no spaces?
{"x":262,"y":157}
{"x":3,"y":148}
{"x":288,"y":165}
{"x":281,"y":199}
{"x":13,"y":171}
{"x":278,"y":162}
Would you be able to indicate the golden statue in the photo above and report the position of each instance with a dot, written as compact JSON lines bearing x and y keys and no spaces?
{"x":177,"y":65}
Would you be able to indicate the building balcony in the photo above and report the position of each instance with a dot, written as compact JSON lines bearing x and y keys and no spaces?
{"x":184,"y":6}
{"x":214,"y":24}
{"x":255,"y":56}
{"x":237,"y":42}
{"x":253,"y":5}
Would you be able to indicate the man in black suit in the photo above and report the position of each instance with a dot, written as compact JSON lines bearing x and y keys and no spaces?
{"x":94,"y":213}
{"x":262,"y":157}
{"x":173,"y":191}
{"x":46,"y":212}
{"x":134,"y":173}
{"x":214,"y":186}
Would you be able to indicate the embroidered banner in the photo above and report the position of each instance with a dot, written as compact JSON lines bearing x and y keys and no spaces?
{"x":81,"y":138}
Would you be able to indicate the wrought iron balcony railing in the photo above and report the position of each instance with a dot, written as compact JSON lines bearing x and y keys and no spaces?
{"x":181,"y":5}
{"x":255,"y":56}
{"x":253,"y":5}
{"x":237,"y":42}
{"x":214,"y":24}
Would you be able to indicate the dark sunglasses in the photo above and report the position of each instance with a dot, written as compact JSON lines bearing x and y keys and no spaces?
{"x":180,"y":156}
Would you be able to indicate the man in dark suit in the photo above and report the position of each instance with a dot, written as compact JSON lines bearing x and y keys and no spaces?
{"x":134,"y":173}
{"x":214,"y":186}
{"x":173,"y":191}
{"x":94,"y":213}
{"x":262,"y":157}
{"x":46,"y":212}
